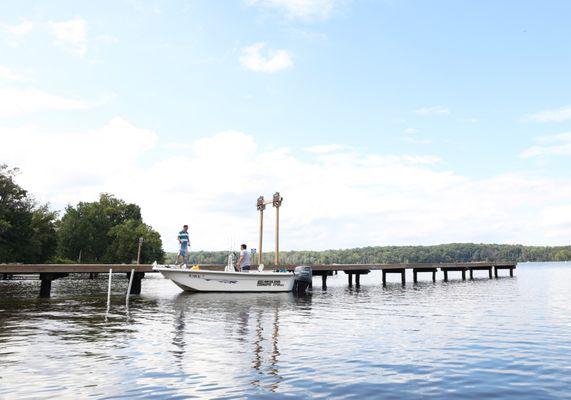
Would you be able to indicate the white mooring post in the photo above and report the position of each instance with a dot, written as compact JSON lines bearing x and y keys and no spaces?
{"x":130,"y":284}
{"x":109,"y":289}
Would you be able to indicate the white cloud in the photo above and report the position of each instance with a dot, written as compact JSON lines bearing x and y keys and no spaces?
{"x":557,"y":115}
{"x":559,"y":144}
{"x":256,"y":59}
{"x":302,"y":9}
{"x":469,"y":120}
{"x":18,"y":102}
{"x":325,"y":148}
{"x":435,"y":110}
{"x":413,"y":140}
{"x":65,"y":165}
{"x":71,"y":34}
{"x":21,"y":29}
{"x":410,"y":131}
{"x":342,"y":198}
{"x":9,"y":75}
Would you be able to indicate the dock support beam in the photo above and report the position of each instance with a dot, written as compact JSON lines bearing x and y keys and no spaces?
{"x":416,"y":271}
{"x":46,"y":285}
{"x":497,"y":268}
{"x":400,"y":271}
{"x":357,"y":273}
{"x":448,"y":269}
{"x":324,"y":275}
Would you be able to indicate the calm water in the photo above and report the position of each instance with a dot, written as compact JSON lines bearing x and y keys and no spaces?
{"x":500,"y":338}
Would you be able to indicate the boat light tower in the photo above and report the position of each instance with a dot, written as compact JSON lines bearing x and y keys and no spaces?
{"x":261,"y":206}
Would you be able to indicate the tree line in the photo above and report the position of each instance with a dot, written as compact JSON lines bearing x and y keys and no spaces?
{"x":453,"y":252}
{"x":104,"y":231}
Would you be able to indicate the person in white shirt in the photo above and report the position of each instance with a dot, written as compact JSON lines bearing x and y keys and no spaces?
{"x":244,"y":260}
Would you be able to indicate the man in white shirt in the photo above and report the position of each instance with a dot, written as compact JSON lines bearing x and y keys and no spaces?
{"x":244,"y":260}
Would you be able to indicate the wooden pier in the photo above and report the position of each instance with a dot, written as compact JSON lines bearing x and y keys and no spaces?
{"x":325,"y":270}
{"x":50,"y":272}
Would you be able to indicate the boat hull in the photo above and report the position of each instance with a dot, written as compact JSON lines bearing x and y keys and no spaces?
{"x":221,"y":281}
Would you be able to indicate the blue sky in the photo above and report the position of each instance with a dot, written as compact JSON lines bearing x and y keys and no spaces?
{"x":415,"y":122}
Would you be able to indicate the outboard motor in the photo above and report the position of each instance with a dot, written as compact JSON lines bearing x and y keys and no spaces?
{"x":302,"y":279}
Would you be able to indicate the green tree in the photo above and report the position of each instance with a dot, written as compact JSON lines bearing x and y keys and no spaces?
{"x":125,"y":241}
{"x":15,"y":218}
{"x":44,"y":239}
{"x":27,"y":231}
{"x":89,"y":231}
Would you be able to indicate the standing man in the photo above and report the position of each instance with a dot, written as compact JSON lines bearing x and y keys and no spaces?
{"x":244,"y":260}
{"x":184,"y":243}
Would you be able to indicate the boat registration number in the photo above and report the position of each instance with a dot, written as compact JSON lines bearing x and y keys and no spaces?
{"x":263,"y":282}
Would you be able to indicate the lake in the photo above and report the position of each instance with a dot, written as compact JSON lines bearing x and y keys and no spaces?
{"x":507,"y":338}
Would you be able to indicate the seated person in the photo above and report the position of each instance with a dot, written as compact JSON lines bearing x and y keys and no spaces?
{"x":244,"y":260}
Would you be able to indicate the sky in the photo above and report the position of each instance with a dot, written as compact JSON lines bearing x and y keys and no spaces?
{"x":389,"y":122}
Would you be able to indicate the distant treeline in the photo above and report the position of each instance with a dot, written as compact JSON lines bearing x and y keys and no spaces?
{"x":453,"y":252}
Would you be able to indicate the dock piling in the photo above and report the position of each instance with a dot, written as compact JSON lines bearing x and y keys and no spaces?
{"x":136,"y":288}
{"x":46,"y":283}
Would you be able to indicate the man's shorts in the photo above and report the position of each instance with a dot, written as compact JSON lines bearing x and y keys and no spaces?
{"x":183,"y":251}
{"x":246,"y":268}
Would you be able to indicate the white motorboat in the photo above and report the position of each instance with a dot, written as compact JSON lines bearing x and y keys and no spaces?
{"x":202,"y":280}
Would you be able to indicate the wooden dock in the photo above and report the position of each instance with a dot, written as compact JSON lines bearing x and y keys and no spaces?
{"x":50,"y":272}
